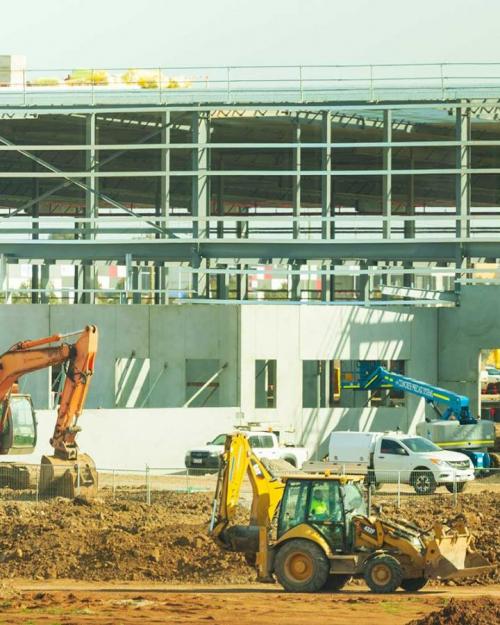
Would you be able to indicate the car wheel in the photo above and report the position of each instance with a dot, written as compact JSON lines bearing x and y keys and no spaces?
{"x":423,"y":482}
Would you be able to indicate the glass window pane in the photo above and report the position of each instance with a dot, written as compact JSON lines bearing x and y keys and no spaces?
{"x":294,"y":505}
{"x":325,"y":501}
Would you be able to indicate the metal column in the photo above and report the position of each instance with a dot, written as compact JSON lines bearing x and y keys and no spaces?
{"x":242,"y":279}
{"x":462,"y":184}
{"x":200,"y":196}
{"x":327,"y":206}
{"x":45,"y":281}
{"x":409,"y":226}
{"x":364,"y":283}
{"x":296,"y":192}
{"x":163,"y":208}
{"x":35,"y":275}
{"x":387,"y":179}
{"x":294,"y":283}
{"x":222,"y":280}
{"x":91,"y":207}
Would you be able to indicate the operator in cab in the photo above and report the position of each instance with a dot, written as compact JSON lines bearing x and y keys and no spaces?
{"x":319,"y":505}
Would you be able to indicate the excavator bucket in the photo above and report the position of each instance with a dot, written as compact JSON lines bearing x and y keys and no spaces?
{"x":449,"y":555}
{"x":68,"y":478}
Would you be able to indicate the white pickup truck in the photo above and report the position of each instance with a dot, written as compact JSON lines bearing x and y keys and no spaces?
{"x":389,"y":457}
{"x":264,"y":445}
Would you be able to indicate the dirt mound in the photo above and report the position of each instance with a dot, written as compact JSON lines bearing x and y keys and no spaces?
{"x":166,"y":541}
{"x":480,"y":611}
{"x":481,"y":513}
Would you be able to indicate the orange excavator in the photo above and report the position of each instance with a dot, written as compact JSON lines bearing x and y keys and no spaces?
{"x":67,"y":472}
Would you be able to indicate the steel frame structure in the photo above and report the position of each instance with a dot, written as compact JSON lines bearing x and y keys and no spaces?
{"x":389,"y":190}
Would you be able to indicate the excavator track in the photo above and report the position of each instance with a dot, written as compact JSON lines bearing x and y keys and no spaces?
{"x":68,"y":478}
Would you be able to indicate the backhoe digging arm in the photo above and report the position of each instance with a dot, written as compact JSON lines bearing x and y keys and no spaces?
{"x":238,"y":461}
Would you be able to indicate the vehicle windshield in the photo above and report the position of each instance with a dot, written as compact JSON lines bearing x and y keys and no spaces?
{"x":493,"y":371}
{"x":418,"y":445}
{"x":266,"y":442}
{"x":219,"y":440}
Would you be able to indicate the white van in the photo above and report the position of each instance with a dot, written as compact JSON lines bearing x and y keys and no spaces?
{"x":393,"y":456}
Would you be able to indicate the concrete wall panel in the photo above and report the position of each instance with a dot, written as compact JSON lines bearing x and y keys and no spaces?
{"x":130,"y":439}
{"x":463,"y":333}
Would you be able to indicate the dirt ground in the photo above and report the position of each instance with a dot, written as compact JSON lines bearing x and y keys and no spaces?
{"x":115,"y":540}
{"x":71,"y":603}
{"x":121,"y":562}
{"x":168,"y":541}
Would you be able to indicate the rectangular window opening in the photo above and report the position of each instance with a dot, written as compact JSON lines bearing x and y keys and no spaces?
{"x":325,"y":384}
{"x":320,"y":383}
{"x":265,"y":384}
{"x":202,"y":388}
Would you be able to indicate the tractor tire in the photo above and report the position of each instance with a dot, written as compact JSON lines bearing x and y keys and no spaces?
{"x":413,"y":584}
{"x":336,"y":582}
{"x":460,"y":487}
{"x":423,"y":482}
{"x":383,"y":574}
{"x":301,"y":566}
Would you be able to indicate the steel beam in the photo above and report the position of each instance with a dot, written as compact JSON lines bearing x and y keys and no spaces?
{"x":250,"y":249}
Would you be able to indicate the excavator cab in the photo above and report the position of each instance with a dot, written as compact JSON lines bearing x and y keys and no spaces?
{"x":18,"y":430}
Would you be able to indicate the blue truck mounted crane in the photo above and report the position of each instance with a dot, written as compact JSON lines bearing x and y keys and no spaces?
{"x":455,"y":427}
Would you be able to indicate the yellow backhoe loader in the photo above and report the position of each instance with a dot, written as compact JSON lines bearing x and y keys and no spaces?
{"x":312,"y":532}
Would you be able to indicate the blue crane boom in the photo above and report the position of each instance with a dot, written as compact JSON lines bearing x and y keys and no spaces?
{"x":372,"y":376}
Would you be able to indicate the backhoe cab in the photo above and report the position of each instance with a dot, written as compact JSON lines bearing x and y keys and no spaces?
{"x":312,"y":532}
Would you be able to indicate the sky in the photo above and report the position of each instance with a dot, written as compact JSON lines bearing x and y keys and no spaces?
{"x":56,"y":34}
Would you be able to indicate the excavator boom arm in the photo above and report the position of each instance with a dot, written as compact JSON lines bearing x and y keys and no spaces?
{"x":76,"y":386}
{"x":29,"y":356}
{"x":15,"y":364}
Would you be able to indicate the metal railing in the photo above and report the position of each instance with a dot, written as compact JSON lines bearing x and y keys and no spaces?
{"x":229,"y":84}
{"x":258,"y":226}
{"x":150,"y":485}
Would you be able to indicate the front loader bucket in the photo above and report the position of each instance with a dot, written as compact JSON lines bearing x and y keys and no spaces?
{"x":449,"y":556}
{"x":68,"y":478}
